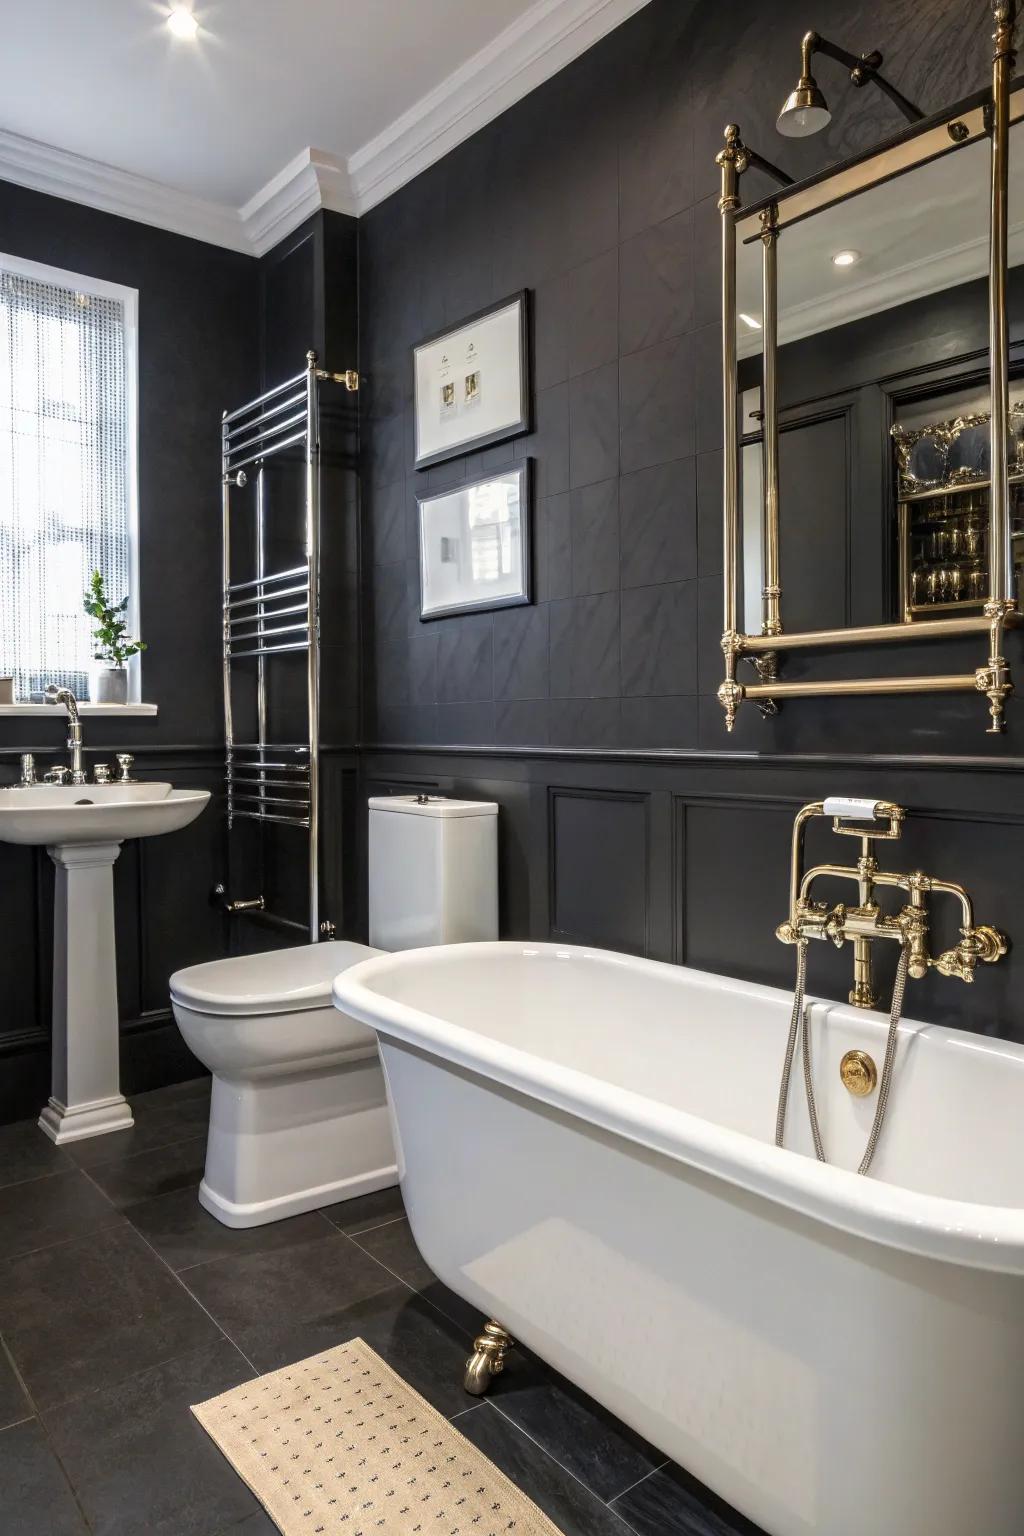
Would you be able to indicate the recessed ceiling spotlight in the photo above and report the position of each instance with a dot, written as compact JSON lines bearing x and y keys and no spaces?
{"x":845,"y":258}
{"x":182,"y":23}
{"x":750,"y":322}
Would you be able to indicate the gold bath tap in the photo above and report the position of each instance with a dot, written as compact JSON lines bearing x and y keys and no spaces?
{"x":865,"y":922}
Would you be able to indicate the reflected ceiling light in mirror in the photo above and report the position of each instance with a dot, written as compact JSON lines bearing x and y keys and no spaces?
{"x":182,"y":23}
{"x":845,"y":258}
{"x":750,"y":321}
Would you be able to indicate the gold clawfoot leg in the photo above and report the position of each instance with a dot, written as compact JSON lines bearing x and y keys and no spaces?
{"x":487,"y":1359}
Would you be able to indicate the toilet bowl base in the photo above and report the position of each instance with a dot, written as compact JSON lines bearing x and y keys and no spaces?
{"x":258,"y":1213}
{"x":279,"y":1146}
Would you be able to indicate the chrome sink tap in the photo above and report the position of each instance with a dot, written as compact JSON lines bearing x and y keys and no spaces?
{"x":55,"y":695}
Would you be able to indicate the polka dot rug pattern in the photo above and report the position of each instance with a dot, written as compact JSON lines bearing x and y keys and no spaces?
{"x":340,"y":1443}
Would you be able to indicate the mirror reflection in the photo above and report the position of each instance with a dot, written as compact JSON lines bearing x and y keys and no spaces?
{"x":883,"y":398}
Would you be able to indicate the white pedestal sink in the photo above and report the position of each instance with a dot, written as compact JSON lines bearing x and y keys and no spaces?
{"x":82,"y":828}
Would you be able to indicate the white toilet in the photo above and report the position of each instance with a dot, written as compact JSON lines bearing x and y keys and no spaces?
{"x":298,"y":1113}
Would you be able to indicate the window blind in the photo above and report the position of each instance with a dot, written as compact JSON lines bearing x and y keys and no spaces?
{"x":64,"y":492}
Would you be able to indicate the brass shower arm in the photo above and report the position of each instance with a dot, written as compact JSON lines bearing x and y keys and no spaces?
{"x":864,"y":70}
{"x":759,"y":163}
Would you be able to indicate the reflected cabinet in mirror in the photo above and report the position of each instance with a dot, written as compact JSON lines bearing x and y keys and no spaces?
{"x":874,"y":424}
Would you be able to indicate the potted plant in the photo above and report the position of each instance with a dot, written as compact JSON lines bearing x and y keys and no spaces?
{"x":108,"y":678}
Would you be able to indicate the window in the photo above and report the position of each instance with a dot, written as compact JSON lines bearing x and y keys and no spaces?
{"x":67,"y":466}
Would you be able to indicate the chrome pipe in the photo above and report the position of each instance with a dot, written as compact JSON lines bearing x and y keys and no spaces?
{"x":269,"y":650}
{"x":266,"y":433}
{"x":285,"y":405}
{"x":296,"y":804}
{"x":262,"y":633}
{"x":312,"y":436}
{"x":270,"y":394}
{"x":284,"y":821}
{"x":266,"y":453}
{"x":277,"y":613}
{"x":243,"y":586}
{"x":241,"y":783}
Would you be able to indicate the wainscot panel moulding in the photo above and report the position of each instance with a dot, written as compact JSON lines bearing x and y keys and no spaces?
{"x":902,"y":208}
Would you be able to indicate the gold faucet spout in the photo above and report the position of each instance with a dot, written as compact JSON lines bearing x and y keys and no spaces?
{"x":865,"y":922}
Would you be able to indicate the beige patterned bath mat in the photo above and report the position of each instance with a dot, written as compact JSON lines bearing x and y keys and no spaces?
{"x":341,"y":1444}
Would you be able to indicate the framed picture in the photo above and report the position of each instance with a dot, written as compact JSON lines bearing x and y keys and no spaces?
{"x":475,"y":545}
{"x":472,"y":384}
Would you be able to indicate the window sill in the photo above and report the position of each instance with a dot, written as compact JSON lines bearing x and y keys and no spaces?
{"x":118,"y":711}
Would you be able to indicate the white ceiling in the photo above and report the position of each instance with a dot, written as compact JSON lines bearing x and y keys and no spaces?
{"x":276,"y":103}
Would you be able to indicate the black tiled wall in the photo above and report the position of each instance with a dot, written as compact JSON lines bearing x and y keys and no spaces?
{"x":598,"y":193}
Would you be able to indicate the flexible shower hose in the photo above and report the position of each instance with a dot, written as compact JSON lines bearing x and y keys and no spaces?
{"x":799,"y":1022}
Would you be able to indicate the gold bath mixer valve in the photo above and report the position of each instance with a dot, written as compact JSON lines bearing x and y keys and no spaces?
{"x":872,"y":821}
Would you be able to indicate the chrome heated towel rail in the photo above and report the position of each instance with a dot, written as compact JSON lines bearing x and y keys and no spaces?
{"x":274,"y":613}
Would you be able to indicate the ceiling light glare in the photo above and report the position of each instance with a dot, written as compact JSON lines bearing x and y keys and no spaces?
{"x":182,"y":23}
{"x":750,"y":321}
{"x":845,"y":258}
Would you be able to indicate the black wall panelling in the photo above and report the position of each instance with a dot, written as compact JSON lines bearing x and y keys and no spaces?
{"x":198,"y":355}
{"x":685,"y":857}
{"x":598,"y":192}
{"x":628,"y":817}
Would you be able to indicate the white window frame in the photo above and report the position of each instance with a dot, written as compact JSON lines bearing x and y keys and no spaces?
{"x":98,"y":287}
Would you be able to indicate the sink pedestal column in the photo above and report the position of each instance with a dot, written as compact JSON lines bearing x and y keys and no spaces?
{"x":86,"y":1098}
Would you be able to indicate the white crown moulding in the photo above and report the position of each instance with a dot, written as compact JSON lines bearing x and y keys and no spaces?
{"x":62,"y":174}
{"x":544,"y":40}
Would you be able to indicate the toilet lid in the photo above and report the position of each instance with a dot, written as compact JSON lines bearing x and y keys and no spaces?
{"x":279,"y":981}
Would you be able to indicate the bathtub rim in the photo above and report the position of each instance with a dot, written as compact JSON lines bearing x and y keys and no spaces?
{"x":973,"y":1235}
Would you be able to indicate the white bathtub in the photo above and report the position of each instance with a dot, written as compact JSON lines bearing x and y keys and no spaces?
{"x":585,"y":1149}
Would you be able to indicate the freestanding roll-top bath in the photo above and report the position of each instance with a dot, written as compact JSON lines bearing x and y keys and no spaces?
{"x":834,"y":1355}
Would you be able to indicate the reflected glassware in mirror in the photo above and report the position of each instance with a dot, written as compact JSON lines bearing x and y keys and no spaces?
{"x":969,"y":449}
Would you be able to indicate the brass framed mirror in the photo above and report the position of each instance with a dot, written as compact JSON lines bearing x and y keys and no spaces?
{"x":873,"y":467}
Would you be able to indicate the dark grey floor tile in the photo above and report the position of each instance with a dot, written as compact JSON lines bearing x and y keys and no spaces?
{"x":26,"y":1152}
{"x":426,"y":1348}
{"x":574,"y":1509}
{"x":581,"y":1435}
{"x":140,"y":1461}
{"x":395,"y":1247}
{"x":79,"y":1317}
{"x":14,"y":1405}
{"x":184,"y":1234}
{"x":368,"y":1211}
{"x":162,"y":1118}
{"x":52,"y":1210}
{"x":672,"y":1503}
{"x":133,"y":1179}
{"x":302,"y":1282}
{"x":35,"y":1499}
{"x":175,"y":1094}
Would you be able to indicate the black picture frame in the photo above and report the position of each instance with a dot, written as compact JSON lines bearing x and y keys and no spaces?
{"x":500,"y":434}
{"x":519,"y":599}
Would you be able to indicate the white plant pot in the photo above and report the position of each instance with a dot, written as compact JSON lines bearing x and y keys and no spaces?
{"x":108,"y":685}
